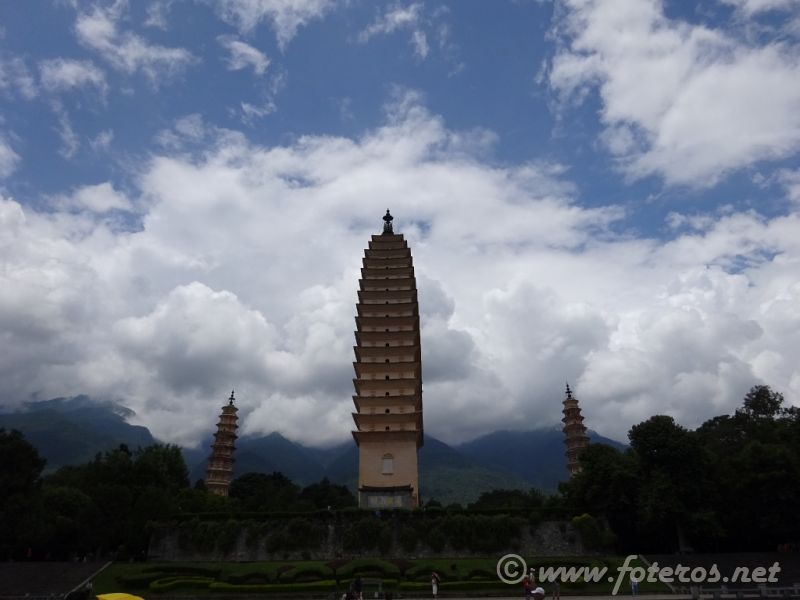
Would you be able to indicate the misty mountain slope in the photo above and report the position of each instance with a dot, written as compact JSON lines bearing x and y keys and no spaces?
{"x":72,"y":430}
{"x":68,"y":431}
{"x":263,"y":454}
{"x":446,"y":474}
{"x":535,"y":456}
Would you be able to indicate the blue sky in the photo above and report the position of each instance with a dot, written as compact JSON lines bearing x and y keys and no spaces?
{"x":603,"y":192}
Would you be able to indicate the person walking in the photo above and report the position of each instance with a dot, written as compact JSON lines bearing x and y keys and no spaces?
{"x":526,"y":586}
{"x":435,"y":584}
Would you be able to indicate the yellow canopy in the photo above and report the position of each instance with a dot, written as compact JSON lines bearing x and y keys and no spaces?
{"x":118,"y":596}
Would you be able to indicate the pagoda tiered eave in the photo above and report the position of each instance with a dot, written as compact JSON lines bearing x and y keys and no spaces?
{"x":379,"y":354}
{"x":388,"y":284}
{"x":408,"y":421}
{"x":370,"y":371}
{"x":413,"y":402}
{"x":387,"y":436}
{"x":394,"y":309}
{"x":381,"y":296}
{"x":387,"y":338}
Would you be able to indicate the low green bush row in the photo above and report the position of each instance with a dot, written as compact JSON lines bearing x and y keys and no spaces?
{"x":413,"y":586}
{"x":317,"y":586}
{"x":383,"y":568}
{"x":186,"y":570}
{"x":138,"y":581}
{"x":183,"y":583}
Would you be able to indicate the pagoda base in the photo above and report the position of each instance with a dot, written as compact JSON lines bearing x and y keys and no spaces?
{"x":387,"y":497}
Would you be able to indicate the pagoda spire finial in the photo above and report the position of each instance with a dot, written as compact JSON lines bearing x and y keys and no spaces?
{"x":232,"y":398}
{"x":387,"y":223}
{"x":569,"y":391}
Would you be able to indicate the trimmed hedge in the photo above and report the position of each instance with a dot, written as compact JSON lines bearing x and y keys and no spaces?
{"x":301,"y":574}
{"x":422,"y":572}
{"x":185,"y":569}
{"x":327,"y":585}
{"x":413,"y":586}
{"x":373,"y":567}
{"x":138,"y":581}
{"x":482,"y":574}
{"x":180,"y":583}
{"x":259,"y":577}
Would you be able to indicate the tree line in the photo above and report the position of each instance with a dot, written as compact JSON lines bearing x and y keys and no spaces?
{"x":732,"y":484}
{"x":104,"y":509}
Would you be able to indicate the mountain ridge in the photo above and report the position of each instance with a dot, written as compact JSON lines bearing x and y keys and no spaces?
{"x":73,"y":430}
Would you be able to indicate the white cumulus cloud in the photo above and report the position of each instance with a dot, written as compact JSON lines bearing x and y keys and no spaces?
{"x":9,"y":160}
{"x":284,"y":17}
{"x":125,"y":50}
{"x":243,"y":270}
{"x":685,"y":102}
{"x":242,"y":55}
{"x":63,"y":74}
{"x":397,"y":18}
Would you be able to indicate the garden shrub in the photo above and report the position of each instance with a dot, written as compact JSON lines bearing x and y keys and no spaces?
{"x":593,"y":535}
{"x":229,"y":535}
{"x":435,"y":539}
{"x":284,"y":573}
{"x":402,"y":565}
{"x":171,"y":569}
{"x":422,"y":572}
{"x":180,"y":583}
{"x":366,"y":534}
{"x":481,"y":574}
{"x":413,"y":586}
{"x":317,"y":586}
{"x":304,"y":574}
{"x":138,"y":581}
{"x":306,"y":534}
{"x":368,"y":567}
{"x":250,"y":577}
{"x":407,"y":538}
{"x":459,"y":530}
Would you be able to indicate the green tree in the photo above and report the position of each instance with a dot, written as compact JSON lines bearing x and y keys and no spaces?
{"x":127,"y":490}
{"x":762,"y":402}
{"x":673,"y":479}
{"x":508,"y":499}
{"x":261,"y":492}
{"x":608,"y":485}
{"x":326,"y":494}
{"x":19,"y":490}
{"x":756,"y":457}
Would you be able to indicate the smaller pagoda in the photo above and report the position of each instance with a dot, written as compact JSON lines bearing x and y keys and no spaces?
{"x":220,"y":463}
{"x":574,"y":432}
